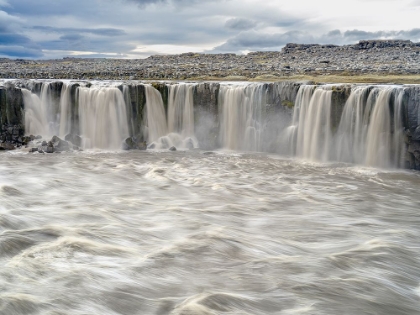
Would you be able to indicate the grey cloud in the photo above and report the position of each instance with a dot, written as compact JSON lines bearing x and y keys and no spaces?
{"x":96,"y":31}
{"x":14,"y":51}
{"x":240,"y":24}
{"x":254,"y":41}
{"x":413,"y":34}
{"x":144,"y":3}
{"x":71,"y":37}
{"x":14,"y":43}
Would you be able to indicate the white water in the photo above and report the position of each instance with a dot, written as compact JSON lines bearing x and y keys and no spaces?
{"x":103,"y":117}
{"x":39,"y":118}
{"x":241,"y":122}
{"x":314,"y":133}
{"x":155,"y":115}
{"x":198,"y":233}
{"x":177,"y":128}
{"x":181,"y":109}
{"x":370,"y":131}
{"x":65,"y":109}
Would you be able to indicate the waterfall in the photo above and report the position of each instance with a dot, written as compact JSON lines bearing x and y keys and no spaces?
{"x":155,"y":115}
{"x":371,"y":127}
{"x":398,"y":141}
{"x":362,"y":124}
{"x":39,"y":118}
{"x":241,"y":108}
{"x":351,"y":133}
{"x":181,"y":110}
{"x":312,"y":121}
{"x":65,"y":109}
{"x":103,"y":117}
{"x":370,"y":131}
{"x":178,"y":128}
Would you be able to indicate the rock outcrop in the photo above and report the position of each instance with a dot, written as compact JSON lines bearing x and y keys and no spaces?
{"x":365,"y":57}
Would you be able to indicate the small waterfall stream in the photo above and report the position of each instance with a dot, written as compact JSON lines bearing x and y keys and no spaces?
{"x":242,"y":110}
{"x":103,"y":117}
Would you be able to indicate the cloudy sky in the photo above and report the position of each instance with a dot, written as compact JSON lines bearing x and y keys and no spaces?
{"x":45,"y":29}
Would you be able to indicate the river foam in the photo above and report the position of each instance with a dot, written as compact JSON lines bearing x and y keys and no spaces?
{"x":205,"y":232}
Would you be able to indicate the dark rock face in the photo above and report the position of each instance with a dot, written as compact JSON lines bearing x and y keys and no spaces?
{"x":206,"y":114}
{"x":413,"y":112}
{"x":11,"y":105}
{"x":137,"y":100}
{"x":412,"y":125}
{"x":368,"y":44}
{"x":12,"y":134}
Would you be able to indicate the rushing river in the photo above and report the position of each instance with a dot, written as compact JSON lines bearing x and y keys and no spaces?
{"x":198,"y":233}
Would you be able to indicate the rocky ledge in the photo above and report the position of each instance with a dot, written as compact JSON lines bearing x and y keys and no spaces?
{"x":398,"y":57}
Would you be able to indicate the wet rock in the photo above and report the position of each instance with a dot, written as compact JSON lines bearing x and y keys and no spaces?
{"x":50,"y":150}
{"x":34,"y":150}
{"x":172,"y":148}
{"x":74,"y":139}
{"x":152,"y":146}
{"x":38,"y":137}
{"x":128,"y":144}
{"x":26,"y":139}
{"x":60,"y":144}
{"x":134,"y":143}
{"x":7,"y":146}
{"x":44,"y":143}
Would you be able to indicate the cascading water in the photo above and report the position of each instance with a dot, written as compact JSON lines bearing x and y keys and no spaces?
{"x":103,"y":117}
{"x":241,"y":108}
{"x":65,"y":109}
{"x":371,"y":130}
{"x":181,"y":109}
{"x":313,"y":128}
{"x":366,"y":127}
{"x":155,"y":115}
{"x":178,"y":128}
{"x":39,"y":117}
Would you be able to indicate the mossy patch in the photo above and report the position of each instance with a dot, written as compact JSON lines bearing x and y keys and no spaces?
{"x":288,"y":103}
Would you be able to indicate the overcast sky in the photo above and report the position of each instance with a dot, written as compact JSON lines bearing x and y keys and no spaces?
{"x":139,"y":28}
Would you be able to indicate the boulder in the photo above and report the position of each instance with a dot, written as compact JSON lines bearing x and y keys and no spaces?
{"x":134,"y":143}
{"x":74,"y":139}
{"x":7,"y":146}
{"x":60,"y":144}
{"x":172,"y":148}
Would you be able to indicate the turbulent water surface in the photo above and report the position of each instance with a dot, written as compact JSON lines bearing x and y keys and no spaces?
{"x":205,"y":233}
